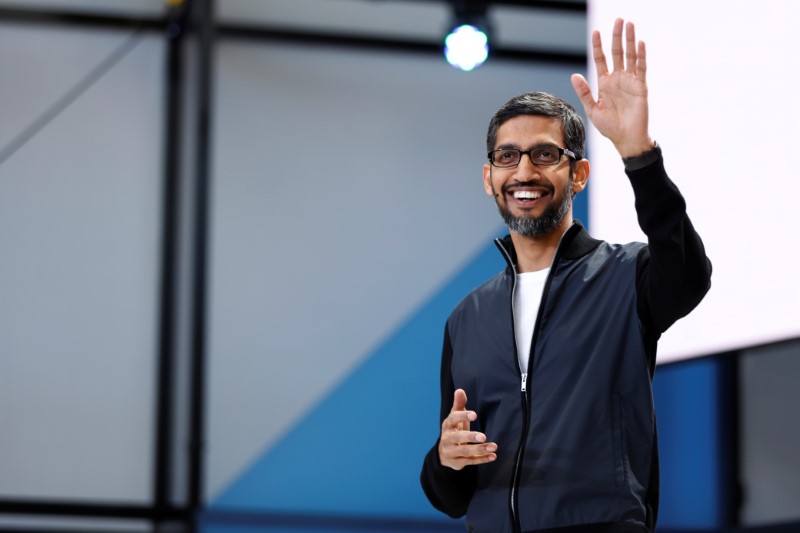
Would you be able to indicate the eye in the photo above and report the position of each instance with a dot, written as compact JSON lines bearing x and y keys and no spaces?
{"x":546,"y":154}
{"x":505,"y":157}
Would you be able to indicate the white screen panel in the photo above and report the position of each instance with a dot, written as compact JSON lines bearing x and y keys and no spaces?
{"x":722,"y":108}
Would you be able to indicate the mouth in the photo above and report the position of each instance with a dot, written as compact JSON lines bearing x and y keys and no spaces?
{"x":526,"y":197}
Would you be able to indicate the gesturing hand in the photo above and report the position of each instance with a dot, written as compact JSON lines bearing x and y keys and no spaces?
{"x":620,"y":112}
{"x":458,"y":446}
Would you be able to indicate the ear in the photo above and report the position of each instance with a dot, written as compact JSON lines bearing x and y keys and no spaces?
{"x":487,"y":179}
{"x":580,"y":176}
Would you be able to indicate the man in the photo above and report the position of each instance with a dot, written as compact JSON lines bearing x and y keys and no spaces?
{"x":556,"y":354}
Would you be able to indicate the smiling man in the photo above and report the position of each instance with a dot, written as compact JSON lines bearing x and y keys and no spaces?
{"x":547,"y":421}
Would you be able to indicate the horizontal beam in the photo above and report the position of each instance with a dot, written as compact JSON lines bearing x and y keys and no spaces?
{"x":222,"y":519}
{"x":51,"y":17}
{"x":94,"y":510}
{"x":569,"y":6}
{"x":388,"y":44}
{"x":578,"y":6}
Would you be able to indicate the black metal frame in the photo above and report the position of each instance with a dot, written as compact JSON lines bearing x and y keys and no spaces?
{"x":196,"y":18}
{"x":176,"y":25}
{"x":204,"y":82}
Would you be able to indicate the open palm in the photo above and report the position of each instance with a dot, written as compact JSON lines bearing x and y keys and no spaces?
{"x":620,"y":111}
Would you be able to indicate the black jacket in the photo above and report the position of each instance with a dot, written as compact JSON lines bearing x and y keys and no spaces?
{"x":576,"y":436}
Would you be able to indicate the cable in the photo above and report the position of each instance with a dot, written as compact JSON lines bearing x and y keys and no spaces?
{"x":70,"y":96}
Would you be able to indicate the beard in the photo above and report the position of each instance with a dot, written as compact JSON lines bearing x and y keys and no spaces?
{"x":547,"y":222}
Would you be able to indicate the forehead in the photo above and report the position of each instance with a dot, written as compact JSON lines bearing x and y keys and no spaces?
{"x":529,"y":130}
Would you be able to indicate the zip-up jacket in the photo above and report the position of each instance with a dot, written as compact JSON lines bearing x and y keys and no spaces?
{"x":576,"y":432}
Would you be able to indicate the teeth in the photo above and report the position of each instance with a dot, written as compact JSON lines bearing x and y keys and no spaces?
{"x":530,"y":195}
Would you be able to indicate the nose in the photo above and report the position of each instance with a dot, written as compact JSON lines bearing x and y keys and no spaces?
{"x":526,"y":170}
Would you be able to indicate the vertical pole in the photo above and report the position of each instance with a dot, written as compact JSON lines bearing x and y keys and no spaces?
{"x":730,"y":483}
{"x":173,"y":120}
{"x":205,"y":36}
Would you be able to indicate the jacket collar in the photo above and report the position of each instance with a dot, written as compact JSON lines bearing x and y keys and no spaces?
{"x":575,"y":243}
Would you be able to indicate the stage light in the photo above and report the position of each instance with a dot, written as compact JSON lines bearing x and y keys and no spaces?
{"x":467,"y":44}
{"x":466,"y":47}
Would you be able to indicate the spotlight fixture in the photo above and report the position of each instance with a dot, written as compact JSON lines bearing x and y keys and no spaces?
{"x":467,"y":45}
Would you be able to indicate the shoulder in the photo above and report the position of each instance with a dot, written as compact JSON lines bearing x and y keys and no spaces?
{"x":486,"y":295}
{"x":606,"y":262}
{"x":623,"y":252}
{"x":596,"y":250}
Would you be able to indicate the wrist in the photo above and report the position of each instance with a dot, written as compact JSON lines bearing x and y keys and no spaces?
{"x":643,"y":159}
{"x":634,"y":149}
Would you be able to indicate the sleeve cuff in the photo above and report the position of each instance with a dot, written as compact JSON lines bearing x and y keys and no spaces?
{"x":643,"y":160}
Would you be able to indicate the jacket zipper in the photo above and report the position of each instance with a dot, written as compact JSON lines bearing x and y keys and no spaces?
{"x":524,"y":392}
{"x":524,"y":374}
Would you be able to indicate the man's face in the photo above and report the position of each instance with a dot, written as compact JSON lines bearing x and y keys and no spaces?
{"x":534,"y":200}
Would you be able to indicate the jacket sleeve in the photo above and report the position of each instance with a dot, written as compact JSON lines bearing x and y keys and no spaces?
{"x":673,"y":272}
{"x":448,"y":490}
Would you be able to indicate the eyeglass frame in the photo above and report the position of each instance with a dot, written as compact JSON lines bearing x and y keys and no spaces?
{"x":561,"y":152}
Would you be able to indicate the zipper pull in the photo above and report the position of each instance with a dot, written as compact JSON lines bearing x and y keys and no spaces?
{"x":524,"y":380}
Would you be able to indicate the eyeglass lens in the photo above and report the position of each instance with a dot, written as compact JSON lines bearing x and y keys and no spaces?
{"x":541,"y":155}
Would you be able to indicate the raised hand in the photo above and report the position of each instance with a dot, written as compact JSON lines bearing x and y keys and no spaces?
{"x":458,"y":446}
{"x":620,"y":111}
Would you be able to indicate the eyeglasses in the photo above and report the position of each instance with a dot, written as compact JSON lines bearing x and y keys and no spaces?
{"x":543,"y":156}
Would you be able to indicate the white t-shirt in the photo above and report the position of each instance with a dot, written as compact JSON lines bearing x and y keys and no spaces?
{"x":527,"y":297}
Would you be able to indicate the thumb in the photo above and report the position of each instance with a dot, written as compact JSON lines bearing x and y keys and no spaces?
{"x":583,"y":91}
{"x":459,"y":400}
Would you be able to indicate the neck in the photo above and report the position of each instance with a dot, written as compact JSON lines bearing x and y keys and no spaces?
{"x":536,"y":253}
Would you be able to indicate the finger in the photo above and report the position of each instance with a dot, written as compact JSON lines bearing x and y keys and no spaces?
{"x":616,"y":45}
{"x":459,"y":400}
{"x":583,"y":91}
{"x":457,"y":456}
{"x":482,"y":459}
{"x":463,"y":437}
{"x":460,"y":404}
{"x":598,"y":54}
{"x":461,"y":462}
{"x":469,"y":451}
{"x":458,"y":420}
{"x":630,"y":48}
{"x":476,"y":460}
{"x":641,"y":63}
